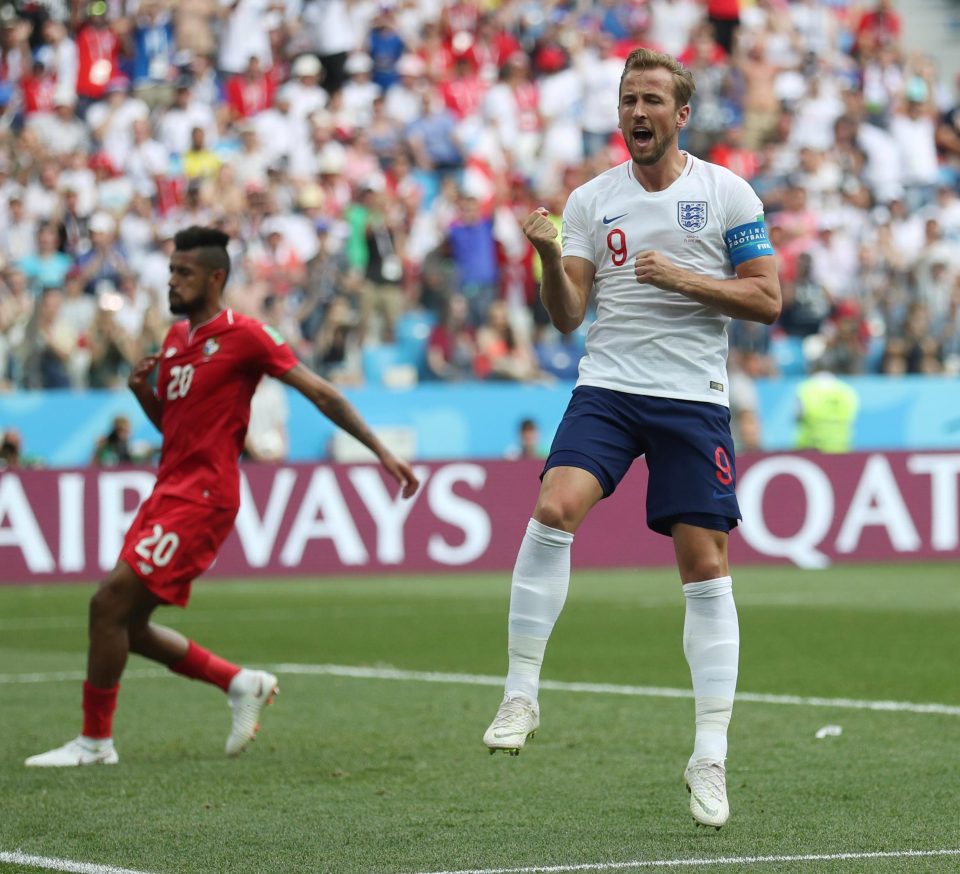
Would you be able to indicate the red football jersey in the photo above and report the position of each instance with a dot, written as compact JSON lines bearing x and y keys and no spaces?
{"x":206,"y":379}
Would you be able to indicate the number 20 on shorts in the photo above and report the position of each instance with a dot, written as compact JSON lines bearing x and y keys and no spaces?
{"x":158,"y":547}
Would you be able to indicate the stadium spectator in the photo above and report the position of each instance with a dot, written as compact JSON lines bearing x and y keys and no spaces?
{"x":244,"y":37}
{"x":385,"y":47}
{"x":336,"y":347}
{"x":356,"y":97}
{"x":49,"y":344}
{"x":472,"y":246}
{"x":112,"y":352}
{"x":806,"y":302}
{"x":105,"y":263}
{"x":304,"y":91}
{"x":433,"y":138}
{"x":251,"y":91}
{"x":877,"y":28}
{"x":154,"y":48}
{"x":826,"y":412}
{"x":59,"y":131}
{"x":855,"y":141}
{"x":528,"y":443}
{"x":46,"y":267}
{"x":19,"y":235}
{"x":334,"y":36}
{"x":452,"y":346}
{"x":113,"y":448}
{"x":98,"y":53}
{"x":11,"y":451}
{"x":502,"y":351}
{"x":267,"y":438}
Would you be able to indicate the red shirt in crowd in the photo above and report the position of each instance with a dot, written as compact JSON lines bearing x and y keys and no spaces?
{"x":98,"y":60}
{"x":247,"y":96}
{"x":38,"y":93}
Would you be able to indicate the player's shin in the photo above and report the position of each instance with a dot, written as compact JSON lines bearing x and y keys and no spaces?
{"x":98,"y":708}
{"x":201,"y":664}
{"x":541,"y":578}
{"x":711,"y":643}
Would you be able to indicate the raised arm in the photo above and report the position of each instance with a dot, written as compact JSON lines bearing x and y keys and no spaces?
{"x":753,"y":296}
{"x":329,"y":401}
{"x":143,"y":391}
{"x":566,"y":282}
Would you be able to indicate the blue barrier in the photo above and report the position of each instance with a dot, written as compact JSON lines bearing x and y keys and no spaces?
{"x":480,"y":420}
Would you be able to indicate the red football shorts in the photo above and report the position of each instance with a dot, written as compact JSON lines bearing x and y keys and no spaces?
{"x":171,"y":542}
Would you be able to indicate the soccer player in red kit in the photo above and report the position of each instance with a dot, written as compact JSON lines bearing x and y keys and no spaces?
{"x":209,"y":367}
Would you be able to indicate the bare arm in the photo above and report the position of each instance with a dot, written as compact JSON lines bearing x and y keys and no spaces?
{"x":329,"y":401}
{"x":144,"y":393}
{"x":566,"y":282}
{"x":753,"y":296}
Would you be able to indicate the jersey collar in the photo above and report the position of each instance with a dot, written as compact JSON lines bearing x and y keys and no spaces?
{"x":192,"y":332}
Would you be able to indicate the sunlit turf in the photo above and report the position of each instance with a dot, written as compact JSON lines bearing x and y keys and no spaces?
{"x":375,"y":775}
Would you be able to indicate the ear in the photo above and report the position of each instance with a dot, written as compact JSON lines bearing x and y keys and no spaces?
{"x":683,"y":116}
{"x":219,"y":278}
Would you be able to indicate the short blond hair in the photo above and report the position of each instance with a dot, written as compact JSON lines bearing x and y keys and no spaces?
{"x":646,"y":59}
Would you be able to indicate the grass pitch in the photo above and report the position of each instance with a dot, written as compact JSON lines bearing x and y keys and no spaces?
{"x":367,"y":774}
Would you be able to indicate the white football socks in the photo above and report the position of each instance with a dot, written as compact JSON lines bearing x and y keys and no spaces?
{"x":711,"y":643}
{"x":541,"y":578}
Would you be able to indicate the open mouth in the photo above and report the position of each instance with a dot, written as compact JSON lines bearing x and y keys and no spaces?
{"x":642,"y":136}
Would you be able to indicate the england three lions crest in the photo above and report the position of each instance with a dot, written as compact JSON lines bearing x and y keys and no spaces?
{"x":692,"y":215}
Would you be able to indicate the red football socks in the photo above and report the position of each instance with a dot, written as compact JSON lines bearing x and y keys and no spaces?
{"x":98,"y":707}
{"x":201,"y":664}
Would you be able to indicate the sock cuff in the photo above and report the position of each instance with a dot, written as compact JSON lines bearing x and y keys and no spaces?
{"x":99,"y":693}
{"x":709,"y":588}
{"x":548,"y":536}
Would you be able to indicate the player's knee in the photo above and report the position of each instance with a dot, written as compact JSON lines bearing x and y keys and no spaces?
{"x":557,"y":513}
{"x":703,"y":567}
{"x":109,"y":604}
{"x":138,"y":636}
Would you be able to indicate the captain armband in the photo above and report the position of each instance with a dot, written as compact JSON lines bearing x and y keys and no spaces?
{"x":749,"y":241}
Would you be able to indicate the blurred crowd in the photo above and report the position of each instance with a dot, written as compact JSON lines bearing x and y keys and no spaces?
{"x":373,"y":162}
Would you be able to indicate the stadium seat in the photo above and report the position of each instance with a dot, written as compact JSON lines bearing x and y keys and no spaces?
{"x":412,"y":332}
{"x":787,"y":352}
{"x":390,"y":365}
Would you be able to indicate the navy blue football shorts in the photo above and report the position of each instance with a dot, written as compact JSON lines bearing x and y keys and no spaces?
{"x":687,"y":444}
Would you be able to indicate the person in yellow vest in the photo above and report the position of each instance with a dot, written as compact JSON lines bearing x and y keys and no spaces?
{"x":827,"y":412}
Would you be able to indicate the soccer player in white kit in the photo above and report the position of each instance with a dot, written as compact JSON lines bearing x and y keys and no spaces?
{"x":675,"y":247}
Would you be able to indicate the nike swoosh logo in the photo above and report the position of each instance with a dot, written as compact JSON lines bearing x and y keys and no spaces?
{"x":717,"y":494}
{"x":500,"y":734}
{"x":607,"y":221}
{"x":711,"y":811}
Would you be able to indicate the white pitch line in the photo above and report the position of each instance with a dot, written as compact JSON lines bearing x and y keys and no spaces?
{"x":612,"y":689}
{"x":49,"y":864}
{"x":366,"y":673}
{"x":70,"y":676}
{"x":690,"y":863}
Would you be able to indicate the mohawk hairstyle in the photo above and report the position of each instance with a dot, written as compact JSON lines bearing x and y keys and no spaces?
{"x":212,"y":246}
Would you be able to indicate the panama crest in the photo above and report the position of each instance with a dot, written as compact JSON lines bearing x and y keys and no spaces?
{"x":692,"y":215}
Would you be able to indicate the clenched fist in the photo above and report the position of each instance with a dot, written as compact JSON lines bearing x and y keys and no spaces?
{"x":540,"y":231}
{"x":652,"y":268}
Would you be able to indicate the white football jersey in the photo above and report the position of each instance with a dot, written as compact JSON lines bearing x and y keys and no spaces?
{"x":647,"y":340}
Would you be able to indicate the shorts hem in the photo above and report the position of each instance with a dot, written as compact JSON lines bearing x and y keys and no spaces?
{"x":573,"y":458}
{"x":710,"y":521}
{"x":162,"y":593}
